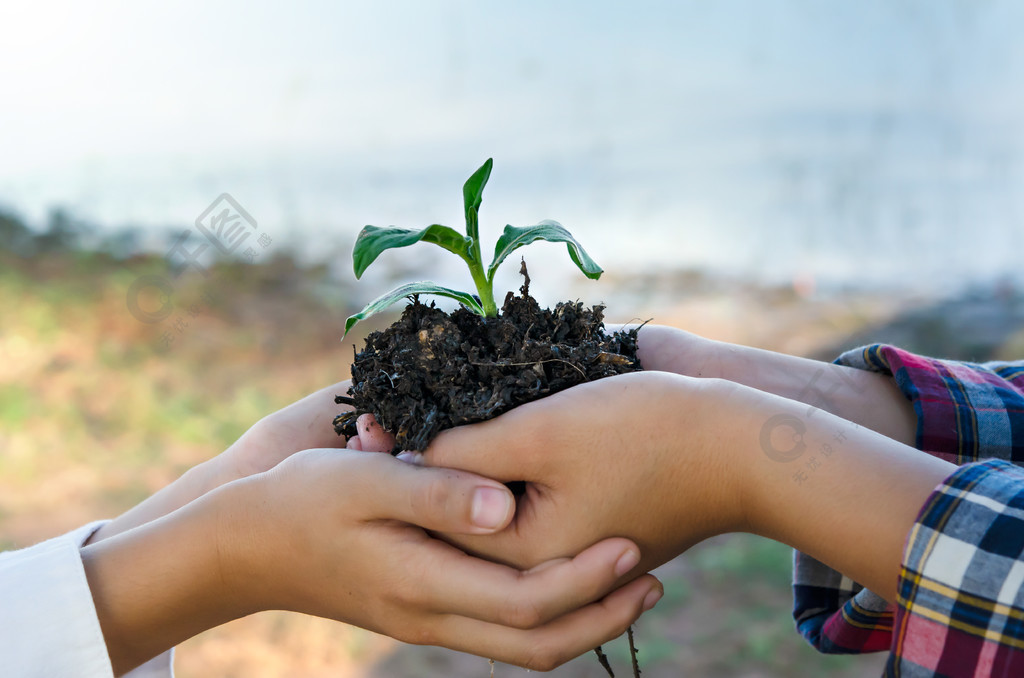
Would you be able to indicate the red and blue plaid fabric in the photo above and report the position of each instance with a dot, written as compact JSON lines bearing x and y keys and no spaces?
{"x":960,"y":610}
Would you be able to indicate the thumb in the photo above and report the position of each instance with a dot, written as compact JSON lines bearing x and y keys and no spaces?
{"x":505,"y":448}
{"x":445,"y":500}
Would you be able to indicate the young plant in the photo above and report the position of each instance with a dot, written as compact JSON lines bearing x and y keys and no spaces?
{"x":373,"y":240}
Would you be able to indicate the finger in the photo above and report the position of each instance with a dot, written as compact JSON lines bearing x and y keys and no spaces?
{"x":354,"y":443}
{"x":439,"y":499}
{"x":501,"y":448}
{"x":552,"y":644}
{"x":612,"y":328}
{"x":308,"y":421}
{"x":372,"y":436}
{"x":471,"y":587}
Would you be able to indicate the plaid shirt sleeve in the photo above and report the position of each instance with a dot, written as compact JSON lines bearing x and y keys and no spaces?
{"x":966,"y":412}
{"x":960,"y":597}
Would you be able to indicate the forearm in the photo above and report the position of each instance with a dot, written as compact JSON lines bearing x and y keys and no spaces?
{"x":866,"y":398}
{"x":302,"y":425}
{"x":839,"y":492}
{"x":159,"y":584}
{"x":193,"y":484}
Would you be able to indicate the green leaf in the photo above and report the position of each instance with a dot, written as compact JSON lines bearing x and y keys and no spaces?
{"x":422,"y":287}
{"x":473,"y":189}
{"x":515,"y":237}
{"x":373,"y":240}
{"x":473,"y":195}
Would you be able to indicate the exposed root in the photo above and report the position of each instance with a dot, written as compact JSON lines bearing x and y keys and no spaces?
{"x":541,"y":362}
{"x":633,"y":652}
{"x":602,"y":658}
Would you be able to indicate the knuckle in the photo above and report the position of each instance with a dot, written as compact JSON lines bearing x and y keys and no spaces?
{"x":405,"y":592}
{"x":536,"y":429}
{"x":431,"y":499}
{"x":417,"y":634}
{"x":523,"y":614}
{"x":545,"y":657}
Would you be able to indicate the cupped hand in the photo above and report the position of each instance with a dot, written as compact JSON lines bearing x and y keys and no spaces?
{"x":303,"y":425}
{"x":669,"y":349}
{"x":334,"y":533}
{"x":646,"y":456}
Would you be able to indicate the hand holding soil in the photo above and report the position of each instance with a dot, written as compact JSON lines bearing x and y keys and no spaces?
{"x":271,"y":440}
{"x":643,"y":455}
{"x":665,"y":457}
{"x":380,"y":569}
{"x":866,"y":398}
{"x":342,"y":534}
{"x":668,"y":460}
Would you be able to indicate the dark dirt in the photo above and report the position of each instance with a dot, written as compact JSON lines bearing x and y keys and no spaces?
{"x":432,"y":370}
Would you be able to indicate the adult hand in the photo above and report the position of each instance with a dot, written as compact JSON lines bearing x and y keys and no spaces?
{"x":669,"y":349}
{"x":331,"y":533}
{"x":667,"y":460}
{"x":867,"y":398}
{"x":302,"y":425}
{"x":638,"y":455}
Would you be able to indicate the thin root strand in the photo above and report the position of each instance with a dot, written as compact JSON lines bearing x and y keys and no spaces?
{"x":633,"y":652}
{"x":602,"y":658}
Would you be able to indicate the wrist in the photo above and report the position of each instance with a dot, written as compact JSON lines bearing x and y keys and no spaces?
{"x":194,"y":483}
{"x":252,"y":547}
{"x":669,"y":349}
{"x":837,"y":491}
{"x":719,"y":468}
{"x":159,"y":584}
{"x":221,"y":470}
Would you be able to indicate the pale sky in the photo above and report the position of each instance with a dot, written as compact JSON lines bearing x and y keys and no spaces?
{"x":710,"y":133}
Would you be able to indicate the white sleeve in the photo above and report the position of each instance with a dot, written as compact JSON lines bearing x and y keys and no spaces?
{"x":48,"y":623}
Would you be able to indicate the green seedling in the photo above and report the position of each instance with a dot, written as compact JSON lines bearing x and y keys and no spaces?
{"x":373,"y":240}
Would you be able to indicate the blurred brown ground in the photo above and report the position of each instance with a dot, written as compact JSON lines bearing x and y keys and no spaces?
{"x":98,"y":410}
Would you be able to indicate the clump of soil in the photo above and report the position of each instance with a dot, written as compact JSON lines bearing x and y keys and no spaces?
{"x":433,"y":370}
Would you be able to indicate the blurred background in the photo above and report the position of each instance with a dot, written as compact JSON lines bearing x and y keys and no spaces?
{"x":795,"y":175}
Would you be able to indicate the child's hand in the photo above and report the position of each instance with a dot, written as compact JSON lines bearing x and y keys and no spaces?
{"x":335,"y":534}
{"x":300,"y":426}
{"x":648,"y":456}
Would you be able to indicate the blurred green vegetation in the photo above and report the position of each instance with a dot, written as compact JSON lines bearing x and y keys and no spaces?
{"x":98,"y":410}
{"x":104,"y":408}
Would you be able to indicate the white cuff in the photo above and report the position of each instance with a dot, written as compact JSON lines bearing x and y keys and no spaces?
{"x":48,"y":622}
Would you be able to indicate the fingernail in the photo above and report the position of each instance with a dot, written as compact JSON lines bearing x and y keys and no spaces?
{"x":414,"y":458}
{"x":652,"y":598}
{"x":490,"y":507}
{"x":626,"y":562}
{"x":405,"y":456}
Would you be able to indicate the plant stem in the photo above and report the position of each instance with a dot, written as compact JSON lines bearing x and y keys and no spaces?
{"x":484,"y":287}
